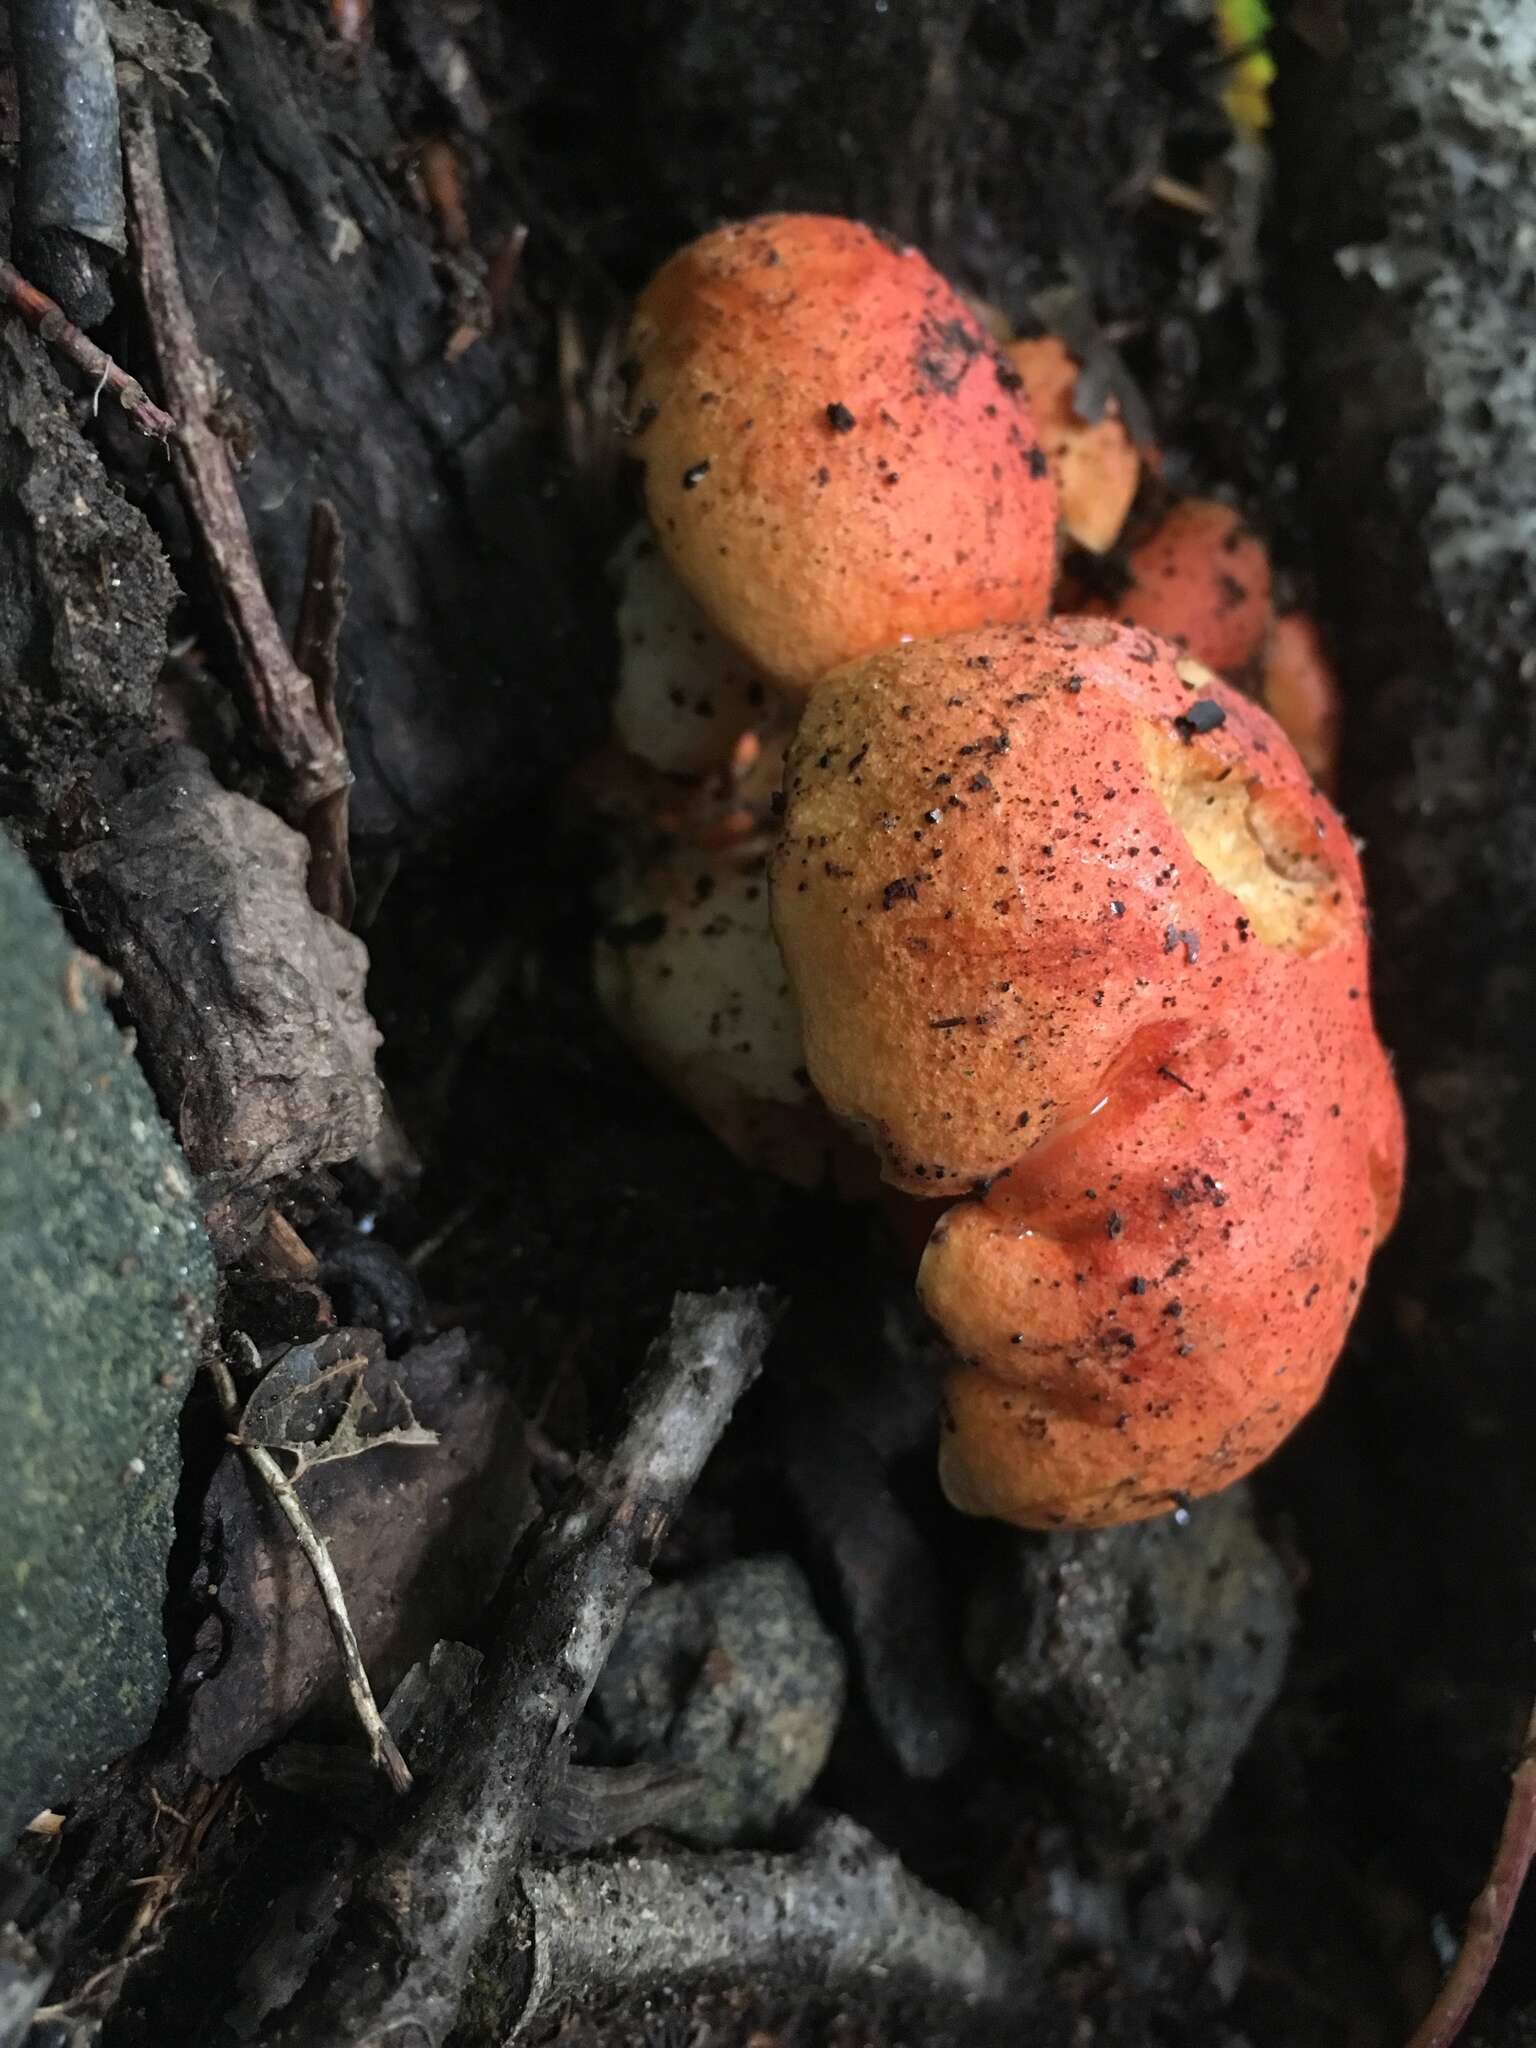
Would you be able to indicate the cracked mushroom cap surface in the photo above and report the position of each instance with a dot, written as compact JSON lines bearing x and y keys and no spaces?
{"x":836,"y":455}
{"x":1077,"y":945}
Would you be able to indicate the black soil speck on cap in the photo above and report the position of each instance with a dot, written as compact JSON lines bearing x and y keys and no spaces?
{"x":1205,"y":716}
{"x":839,"y":418}
{"x":945,"y":351}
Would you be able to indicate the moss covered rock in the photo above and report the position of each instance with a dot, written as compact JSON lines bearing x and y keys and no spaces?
{"x":106,"y":1290}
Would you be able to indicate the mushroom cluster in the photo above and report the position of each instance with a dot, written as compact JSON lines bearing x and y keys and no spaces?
{"x":1048,"y":920}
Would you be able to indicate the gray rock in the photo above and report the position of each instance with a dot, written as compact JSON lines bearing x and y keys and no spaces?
{"x":735,"y":1673}
{"x":1137,"y":1661}
{"x":106,"y":1288}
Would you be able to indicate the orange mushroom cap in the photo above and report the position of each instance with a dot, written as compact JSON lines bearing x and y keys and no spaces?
{"x":836,"y":456}
{"x":1073,"y":938}
{"x":1200,"y":579}
{"x":1095,"y":462}
{"x":1301,"y":694}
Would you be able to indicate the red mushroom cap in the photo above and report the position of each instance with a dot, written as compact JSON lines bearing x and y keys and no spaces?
{"x":1200,"y":579}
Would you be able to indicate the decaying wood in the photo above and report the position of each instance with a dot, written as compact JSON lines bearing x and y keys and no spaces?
{"x":861,"y":1922}
{"x":421,"y":1533}
{"x":69,"y":175}
{"x":249,"y":1000}
{"x":382,"y":1745}
{"x":69,"y":179}
{"x":438,"y":1897}
{"x":295,"y":724}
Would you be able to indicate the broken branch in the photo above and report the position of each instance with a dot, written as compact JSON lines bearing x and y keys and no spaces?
{"x":1492,"y":1909}
{"x":47,"y":319}
{"x":382,"y":1744}
{"x":861,"y":1922}
{"x":69,"y":173}
{"x":289,"y":715}
{"x":441,"y":1891}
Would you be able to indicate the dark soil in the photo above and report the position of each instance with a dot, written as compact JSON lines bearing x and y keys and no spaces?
{"x":563,"y":1197}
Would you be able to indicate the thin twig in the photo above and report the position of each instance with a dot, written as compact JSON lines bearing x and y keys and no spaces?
{"x":1180,"y":193}
{"x":47,"y":319}
{"x":382,"y":1744}
{"x":316,"y":651}
{"x":317,"y":636}
{"x":441,"y":1889}
{"x":1492,"y":1909}
{"x":288,"y":715}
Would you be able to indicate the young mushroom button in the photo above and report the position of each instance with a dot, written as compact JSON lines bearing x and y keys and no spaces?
{"x":1201,"y":578}
{"x":685,"y":696}
{"x":689,"y":973}
{"x":1301,"y":693}
{"x":1077,"y":946}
